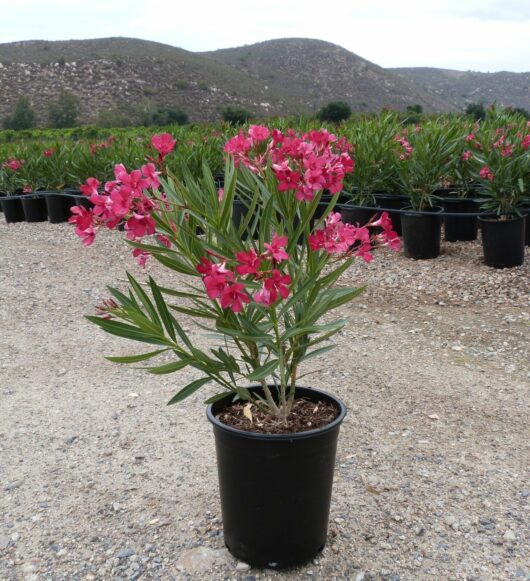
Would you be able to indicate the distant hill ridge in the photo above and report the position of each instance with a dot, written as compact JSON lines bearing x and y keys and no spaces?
{"x":276,"y":77}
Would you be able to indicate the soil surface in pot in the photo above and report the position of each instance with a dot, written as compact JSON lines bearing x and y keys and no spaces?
{"x":305,"y":415}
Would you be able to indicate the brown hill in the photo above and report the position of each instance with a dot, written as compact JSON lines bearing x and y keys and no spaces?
{"x":276,"y":77}
{"x":123,"y":74}
{"x":316,"y":72}
{"x":464,"y":87}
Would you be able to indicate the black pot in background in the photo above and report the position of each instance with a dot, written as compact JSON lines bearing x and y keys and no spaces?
{"x":503,"y":241}
{"x":392,"y":202}
{"x":34,"y":207}
{"x":276,"y":489}
{"x":58,"y":207}
{"x":356,"y":215}
{"x":2,"y":195}
{"x":83,"y":201}
{"x":325,"y":200}
{"x":421,"y":233}
{"x":239,"y":214}
{"x":219,"y":179}
{"x":460,"y":228}
{"x":12,"y":207}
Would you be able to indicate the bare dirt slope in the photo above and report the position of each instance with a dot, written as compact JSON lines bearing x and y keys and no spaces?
{"x":100,"y":480}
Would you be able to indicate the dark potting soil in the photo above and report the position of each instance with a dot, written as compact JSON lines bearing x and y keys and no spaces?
{"x":305,"y":415}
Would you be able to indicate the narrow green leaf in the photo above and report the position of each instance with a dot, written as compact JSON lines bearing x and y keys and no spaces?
{"x":188,"y":390}
{"x":136,"y":358}
{"x":146,"y":301}
{"x":264,"y":370}
{"x":165,"y":315}
{"x":128,"y":331}
{"x":169,"y":367}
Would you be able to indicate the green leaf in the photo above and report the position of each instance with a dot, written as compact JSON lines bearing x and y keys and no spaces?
{"x":136,"y":358}
{"x":216,"y":397}
{"x":128,"y":331}
{"x":264,"y":370}
{"x":146,"y":301}
{"x":188,"y":390}
{"x":165,"y":315}
{"x":169,"y":367}
{"x":317,"y":352}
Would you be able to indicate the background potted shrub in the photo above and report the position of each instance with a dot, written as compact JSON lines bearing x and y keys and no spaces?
{"x":374,"y":180}
{"x":264,"y":297}
{"x":502,"y":160}
{"x":10,"y":185}
{"x":424,"y":156}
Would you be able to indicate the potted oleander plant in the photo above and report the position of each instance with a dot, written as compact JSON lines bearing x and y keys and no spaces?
{"x":424,"y":155}
{"x":11,"y":187}
{"x":373,"y":181}
{"x":502,"y":164}
{"x":263,"y":295}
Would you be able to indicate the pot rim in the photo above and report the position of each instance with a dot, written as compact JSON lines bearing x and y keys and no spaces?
{"x":512,"y":218}
{"x":280,"y":437}
{"x":433,"y":210}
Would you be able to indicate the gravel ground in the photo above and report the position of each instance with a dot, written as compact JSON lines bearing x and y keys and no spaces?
{"x":100,"y":480}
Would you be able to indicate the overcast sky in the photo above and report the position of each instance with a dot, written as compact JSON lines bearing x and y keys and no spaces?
{"x":479,"y":35}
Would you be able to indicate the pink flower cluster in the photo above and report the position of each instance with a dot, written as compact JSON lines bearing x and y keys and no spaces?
{"x":123,"y":201}
{"x":13,"y":164}
{"x":486,"y":173}
{"x":336,"y":237}
{"x":95,"y":147}
{"x":221,"y":282}
{"x":303,"y":164}
{"x":402,"y":140}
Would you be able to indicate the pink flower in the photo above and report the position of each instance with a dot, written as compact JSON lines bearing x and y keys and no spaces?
{"x":249,"y":262}
{"x":27,"y":188}
{"x":278,"y":283}
{"x":14,"y":164}
{"x":220,"y":194}
{"x":469,"y":137}
{"x":90,"y":187}
{"x":151,"y":175}
{"x":48,"y":152}
{"x":141,"y":256}
{"x":265,"y":296}
{"x":525,"y":143}
{"x":467,"y":155}
{"x":215,"y":284}
{"x":276,"y":248}
{"x":234,"y":296}
{"x":84,"y":221}
{"x":208,"y":268}
{"x":258,"y":132}
{"x":138,"y":226}
{"x":506,"y":151}
{"x":163,"y":143}
{"x":486,"y":173}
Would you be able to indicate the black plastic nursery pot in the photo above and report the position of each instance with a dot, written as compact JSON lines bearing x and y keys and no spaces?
{"x":12,"y":207}
{"x":460,"y":228}
{"x":356,"y":215}
{"x":391,"y":202}
{"x":58,"y":206}
{"x":2,"y":195}
{"x":34,"y":206}
{"x":527,"y":230}
{"x":503,"y":241}
{"x":421,"y":233}
{"x":276,"y":489}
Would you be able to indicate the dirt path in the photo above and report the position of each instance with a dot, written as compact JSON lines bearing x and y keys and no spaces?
{"x":100,"y":480}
